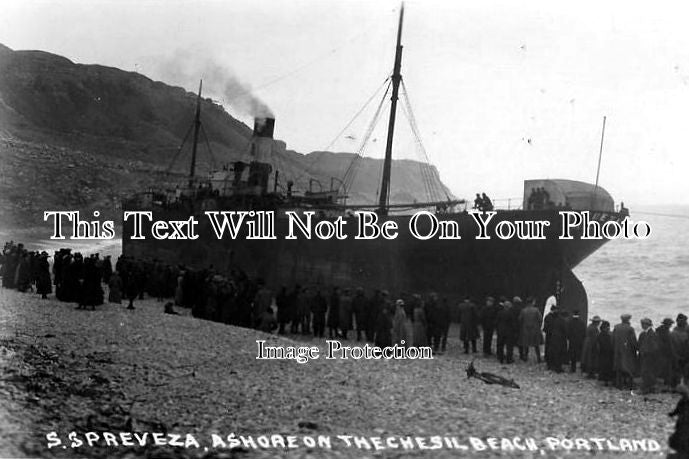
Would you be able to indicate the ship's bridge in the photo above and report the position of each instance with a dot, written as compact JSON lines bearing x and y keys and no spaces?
{"x":566,"y":194}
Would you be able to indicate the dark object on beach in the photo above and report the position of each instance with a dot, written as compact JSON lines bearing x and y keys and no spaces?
{"x":308,"y":425}
{"x":490,"y":378}
{"x":169,"y":308}
{"x":679,"y":440}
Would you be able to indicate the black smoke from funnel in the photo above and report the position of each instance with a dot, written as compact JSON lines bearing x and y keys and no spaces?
{"x":185,"y":69}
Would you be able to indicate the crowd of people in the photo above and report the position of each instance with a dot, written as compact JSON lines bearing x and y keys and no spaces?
{"x":505,"y":327}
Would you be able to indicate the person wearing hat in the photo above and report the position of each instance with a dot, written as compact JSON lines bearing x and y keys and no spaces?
{"x":625,"y":347}
{"x":604,"y":354}
{"x":530,"y":335}
{"x":556,"y":329}
{"x":648,"y":356}
{"x":588,"y":356}
{"x":680,"y":341}
{"x":667,"y":356}
{"x":43,"y":284}
{"x":507,"y":328}
{"x":468,"y":324}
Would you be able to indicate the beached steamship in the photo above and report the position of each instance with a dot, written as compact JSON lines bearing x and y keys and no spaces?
{"x":452,"y":268}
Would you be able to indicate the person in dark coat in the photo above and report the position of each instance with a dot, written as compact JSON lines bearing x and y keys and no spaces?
{"x":444,"y":317}
{"x":44,"y":285}
{"x":359,"y":303}
{"x":334,"y":312}
{"x":434,"y":321}
{"x":556,"y":329}
{"x":106,"y":269}
{"x":508,"y":332}
{"x":589,"y":365}
{"x":384,"y":327}
{"x":92,"y":292}
{"x":22,"y":277}
{"x":131,"y":285}
{"x":319,"y":306}
{"x":468,"y":324}
{"x":346,"y":312}
{"x":292,"y":306}
{"x":680,"y":341}
{"x":625,"y":347}
{"x":604,"y":353}
{"x":667,"y":355}
{"x":530,"y":335}
{"x":576,"y":333}
{"x":648,"y":356}
{"x":373,"y":311}
{"x":304,"y":310}
{"x":282,"y":302}
{"x":517,"y":306}
{"x":679,"y":439}
{"x":489,"y":317}
{"x":115,"y":285}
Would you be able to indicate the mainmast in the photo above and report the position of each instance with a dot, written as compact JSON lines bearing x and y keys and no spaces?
{"x":197,"y":127}
{"x":387,"y":164}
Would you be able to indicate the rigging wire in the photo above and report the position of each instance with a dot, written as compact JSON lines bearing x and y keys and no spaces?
{"x":179,"y":150}
{"x":352,"y":170}
{"x":316,"y":158}
{"x":431,"y":176}
{"x":429,"y":179}
{"x":426,"y":178}
{"x":208,"y":145}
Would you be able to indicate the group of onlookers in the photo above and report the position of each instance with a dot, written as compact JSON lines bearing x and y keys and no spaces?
{"x":506,"y":327}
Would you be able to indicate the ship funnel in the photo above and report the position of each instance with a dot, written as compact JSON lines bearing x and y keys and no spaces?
{"x":264,"y":127}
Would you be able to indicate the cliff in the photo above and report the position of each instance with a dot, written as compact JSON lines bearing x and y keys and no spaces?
{"x":83,"y":136}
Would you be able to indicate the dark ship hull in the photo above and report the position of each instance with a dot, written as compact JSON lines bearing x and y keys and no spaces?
{"x":452,"y":268}
{"x":405,"y":265}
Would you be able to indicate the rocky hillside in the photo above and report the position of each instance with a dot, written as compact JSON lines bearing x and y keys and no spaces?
{"x":83,"y":136}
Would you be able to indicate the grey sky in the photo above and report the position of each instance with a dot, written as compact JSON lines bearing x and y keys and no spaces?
{"x":502,"y":91}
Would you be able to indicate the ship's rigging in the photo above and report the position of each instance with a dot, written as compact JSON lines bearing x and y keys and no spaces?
{"x":434,"y":190}
{"x":196,"y":128}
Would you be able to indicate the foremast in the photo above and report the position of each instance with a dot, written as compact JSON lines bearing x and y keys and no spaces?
{"x":195,"y":140}
{"x":387,"y":164}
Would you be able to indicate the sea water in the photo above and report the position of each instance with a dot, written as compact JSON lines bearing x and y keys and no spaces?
{"x":644,"y":278}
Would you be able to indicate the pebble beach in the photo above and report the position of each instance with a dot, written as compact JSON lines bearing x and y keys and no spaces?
{"x":117,"y":370}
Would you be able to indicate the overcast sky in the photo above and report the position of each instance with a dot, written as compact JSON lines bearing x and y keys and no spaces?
{"x":501,"y":91}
